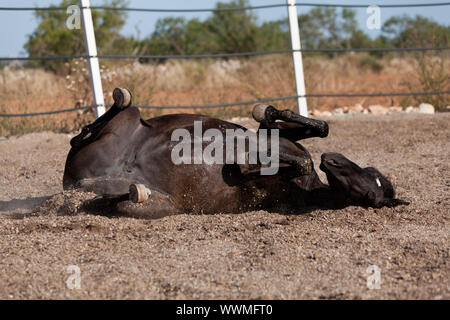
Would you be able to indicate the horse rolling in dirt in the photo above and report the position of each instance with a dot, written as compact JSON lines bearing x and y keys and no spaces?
{"x":129,"y":163}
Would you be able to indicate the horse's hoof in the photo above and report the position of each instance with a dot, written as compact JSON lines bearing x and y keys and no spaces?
{"x":139,"y":193}
{"x":259,"y":112}
{"x":122,"y":98}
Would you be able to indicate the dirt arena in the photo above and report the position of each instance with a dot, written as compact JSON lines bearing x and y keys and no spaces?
{"x":315,"y":254}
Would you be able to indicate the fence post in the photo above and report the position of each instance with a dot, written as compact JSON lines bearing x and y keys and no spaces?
{"x":297,"y":58}
{"x":91,"y":50}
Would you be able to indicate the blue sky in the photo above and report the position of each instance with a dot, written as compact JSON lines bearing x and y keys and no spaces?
{"x":16,"y":25}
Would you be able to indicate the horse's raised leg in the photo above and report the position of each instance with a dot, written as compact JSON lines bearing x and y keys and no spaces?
{"x":291,"y":158}
{"x":295,"y":127}
{"x":122,"y":100}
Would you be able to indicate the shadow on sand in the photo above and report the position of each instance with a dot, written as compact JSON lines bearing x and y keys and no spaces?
{"x":16,"y":208}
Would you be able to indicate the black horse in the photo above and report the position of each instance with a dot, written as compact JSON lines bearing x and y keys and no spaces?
{"x":130,"y":163}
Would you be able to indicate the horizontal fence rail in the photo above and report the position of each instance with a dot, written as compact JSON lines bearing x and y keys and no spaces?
{"x":233,"y":104}
{"x":226,"y":55}
{"x":269,"y":6}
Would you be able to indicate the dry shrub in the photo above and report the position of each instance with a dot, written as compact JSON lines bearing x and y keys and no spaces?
{"x":34,"y":90}
{"x":433,"y":72}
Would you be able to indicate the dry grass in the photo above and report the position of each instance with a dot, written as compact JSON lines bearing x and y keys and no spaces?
{"x":198,"y":82}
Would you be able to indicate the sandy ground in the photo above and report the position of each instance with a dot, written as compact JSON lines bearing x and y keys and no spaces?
{"x":318,"y":254}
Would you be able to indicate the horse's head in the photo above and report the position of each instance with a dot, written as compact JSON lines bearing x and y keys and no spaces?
{"x":356,"y":185}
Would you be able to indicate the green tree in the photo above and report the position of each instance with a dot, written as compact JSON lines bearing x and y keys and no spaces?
{"x":200,"y":38}
{"x":328,"y":28}
{"x":404,"y":31}
{"x":224,"y":31}
{"x":52,"y":37}
{"x":273,"y":35}
{"x":235,"y":31}
{"x":169,"y":36}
